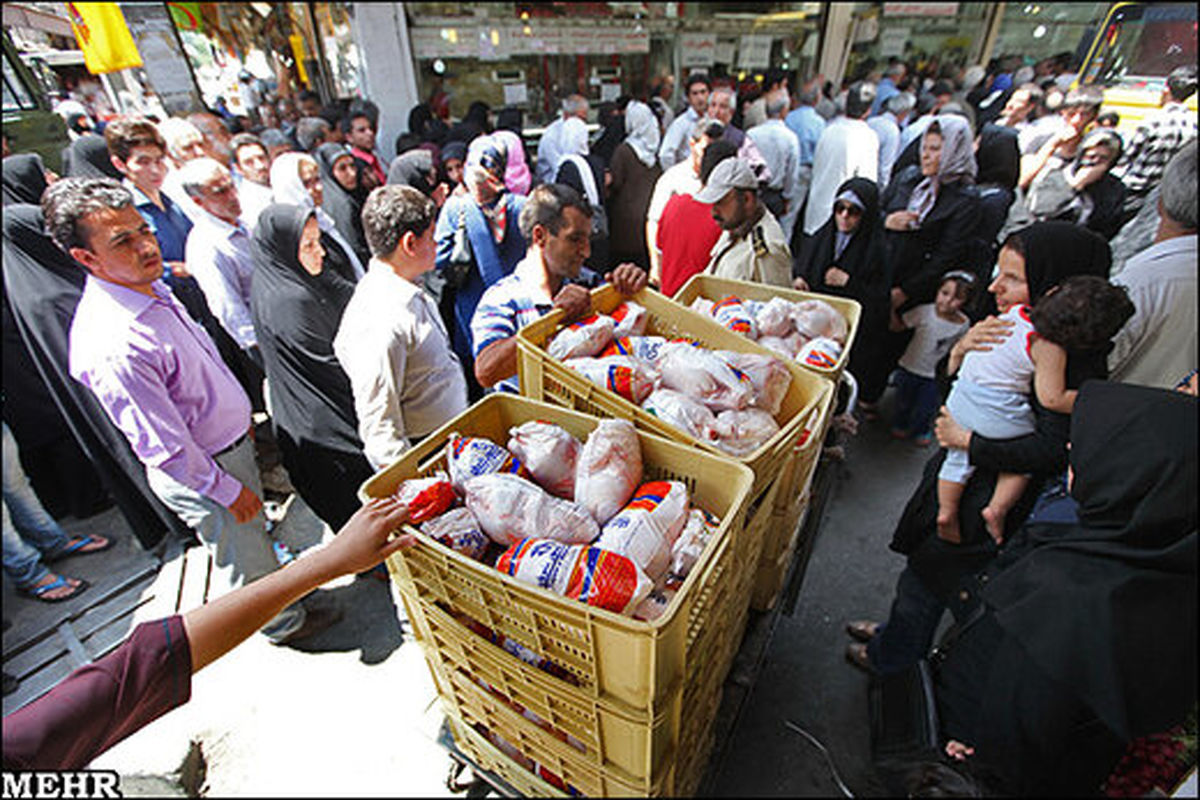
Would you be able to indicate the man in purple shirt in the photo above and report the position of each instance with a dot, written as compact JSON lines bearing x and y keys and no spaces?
{"x":160,"y":379}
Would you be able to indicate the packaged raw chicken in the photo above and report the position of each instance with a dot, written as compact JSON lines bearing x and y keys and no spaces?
{"x":459,"y":530}
{"x":588,"y":574}
{"x":816,"y":318}
{"x":626,"y":376}
{"x":643,"y":348}
{"x":647,"y":527}
{"x":703,"y":375}
{"x":549,"y":453}
{"x":426,"y":497}
{"x":702,"y":305}
{"x":783,"y":346}
{"x":510,"y":508}
{"x":609,"y":469}
{"x":822,"y":352}
{"x":688,"y":548}
{"x":655,"y":604}
{"x":732,"y":313}
{"x":630,"y":319}
{"x":769,"y":376}
{"x":584,"y":338}
{"x":774,"y":317}
{"x":682,"y":412}
{"x":740,"y":433}
{"x":471,"y":456}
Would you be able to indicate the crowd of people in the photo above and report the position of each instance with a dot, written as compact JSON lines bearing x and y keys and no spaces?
{"x":995,"y":231}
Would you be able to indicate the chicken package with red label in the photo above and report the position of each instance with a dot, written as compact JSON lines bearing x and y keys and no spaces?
{"x":769,"y":376}
{"x":643,"y":348}
{"x":647,"y":527}
{"x":471,"y":456}
{"x":460,"y":531}
{"x":630,"y":319}
{"x":704,"y":376}
{"x":587,"y":337}
{"x":590,"y":575}
{"x":679,"y":410}
{"x":733,"y":314}
{"x":609,"y":468}
{"x":549,"y":453}
{"x":622,"y":375}
{"x":426,"y":497}
{"x":742,"y":432}
{"x":510,"y":508}
{"x":823,"y":352}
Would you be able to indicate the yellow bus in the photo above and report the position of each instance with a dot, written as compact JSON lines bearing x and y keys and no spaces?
{"x":1133,"y":52}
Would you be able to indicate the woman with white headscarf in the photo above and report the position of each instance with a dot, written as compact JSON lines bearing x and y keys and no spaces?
{"x":634,"y":171}
{"x":296,"y":180}
{"x":578,"y":168}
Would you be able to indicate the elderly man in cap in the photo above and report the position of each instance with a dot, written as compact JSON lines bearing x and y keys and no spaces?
{"x":752,"y":246}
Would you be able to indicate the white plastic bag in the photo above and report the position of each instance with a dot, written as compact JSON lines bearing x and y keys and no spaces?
{"x":816,"y":318}
{"x":509,"y":509}
{"x":702,"y":305}
{"x":783,"y":346}
{"x":688,"y":548}
{"x":630,"y":319}
{"x":587,"y":337}
{"x":590,"y":575}
{"x":822,"y":352}
{"x":609,"y":469}
{"x":468,"y":457}
{"x":769,"y":376}
{"x":682,"y":412}
{"x":733,"y":314}
{"x":647,"y":527}
{"x":703,"y":375}
{"x":549,"y":453}
{"x":628,"y":377}
{"x":740,"y":433}
{"x":460,"y":531}
{"x":774,"y":318}
{"x":643,"y":348}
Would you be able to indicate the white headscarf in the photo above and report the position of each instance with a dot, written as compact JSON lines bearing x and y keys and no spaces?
{"x":286,"y":187}
{"x":641,"y":127}
{"x":573,"y":147}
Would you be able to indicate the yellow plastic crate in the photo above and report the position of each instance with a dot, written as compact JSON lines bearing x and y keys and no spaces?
{"x":778,"y":551}
{"x":716,"y":289}
{"x":627,"y":677}
{"x":548,"y":379}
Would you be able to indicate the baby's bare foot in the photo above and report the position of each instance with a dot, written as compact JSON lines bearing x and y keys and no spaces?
{"x":959,"y":751}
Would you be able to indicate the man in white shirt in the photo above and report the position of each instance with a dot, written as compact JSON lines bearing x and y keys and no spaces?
{"x":781,"y":150}
{"x":392,"y":343}
{"x":218,"y":249}
{"x":887,"y":128}
{"x":683,"y":178}
{"x":252,"y":176}
{"x":675,"y":147}
{"x":848,"y":148}
{"x":1157,"y":346}
{"x":550,"y":145}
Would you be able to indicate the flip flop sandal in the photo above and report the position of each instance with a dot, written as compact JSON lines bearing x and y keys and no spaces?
{"x":39,"y":592}
{"x":76,"y":548}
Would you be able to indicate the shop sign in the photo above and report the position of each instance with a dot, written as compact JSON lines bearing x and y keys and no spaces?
{"x":725,"y":52}
{"x":920,"y":9}
{"x":499,"y":42}
{"x":697,"y":49}
{"x":754,"y":52}
{"x":892,"y":40}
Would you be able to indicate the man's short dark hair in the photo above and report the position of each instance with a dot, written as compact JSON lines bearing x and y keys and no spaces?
{"x":348,"y":120}
{"x":1109,"y":117}
{"x":392,"y":211}
{"x":694,"y":78}
{"x":1181,"y":83}
{"x":245,"y":140}
{"x":859,"y":98}
{"x":67,"y":201}
{"x":547,"y":206}
{"x":304,"y":95}
{"x":1082,"y":313}
{"x":125,"y":133}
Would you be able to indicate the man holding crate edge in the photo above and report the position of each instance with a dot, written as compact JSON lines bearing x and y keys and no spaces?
{"x":557,"y":223}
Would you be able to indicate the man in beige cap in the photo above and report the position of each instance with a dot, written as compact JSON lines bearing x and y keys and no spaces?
{"x":752,"y":246}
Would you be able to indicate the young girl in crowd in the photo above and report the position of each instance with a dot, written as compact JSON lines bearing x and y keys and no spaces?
{"x":936,"y":327}
{"x":991,"y":396}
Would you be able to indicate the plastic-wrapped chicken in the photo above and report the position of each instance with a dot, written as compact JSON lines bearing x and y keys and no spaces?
{"x":822,"y":352}
{"x":549,"y":453}
{"x":471,"y":456}
{"x":587,"y":337}
{"x":702,"y":305}
{"x":460,"y":531}
{"x":684,"y":413}
{"x":646,"y":528}
{"x":609,"y":469}
{"x":688,"y":548}
{"x":655,"y":604}
{"x":630,"y":319}
{"x":769,"y":376}
{"x":590,"y":575}
{"x":782,"y":346}
{"x":630,"y":378}
{"x":426,"y":497}
{"x":732,"y":313}
{"x":703,"y":375}
{"x":510,"y":508}
{"x":816,"y":318}
{"x":740,"y":433}
{"x":643,"y":348}
{"x":774,"y":318}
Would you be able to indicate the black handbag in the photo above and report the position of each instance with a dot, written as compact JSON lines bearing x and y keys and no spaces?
{"x":462,"y":260}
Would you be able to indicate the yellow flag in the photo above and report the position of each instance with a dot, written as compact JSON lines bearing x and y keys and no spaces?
{"x":103,"y":37}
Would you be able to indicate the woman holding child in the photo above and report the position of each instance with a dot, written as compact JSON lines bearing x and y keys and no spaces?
{"x":1032,"y":261}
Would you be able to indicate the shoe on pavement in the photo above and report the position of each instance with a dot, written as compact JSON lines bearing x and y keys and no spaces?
{"x":856,"y":654}
{"x":862,"y":629}
{"x":315,"y":621}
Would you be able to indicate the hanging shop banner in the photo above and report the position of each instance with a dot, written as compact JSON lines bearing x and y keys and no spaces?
{"x":166,"y":64}
{"x":186,"y":16}
{"x":697,"y":49}
{"x":754,"y":52}
{"x":501,"y":42}
{"x":892,"y":41}
{"x":920,"y":9}
{"x":103,"y":37}
{"x":725,"y":52}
